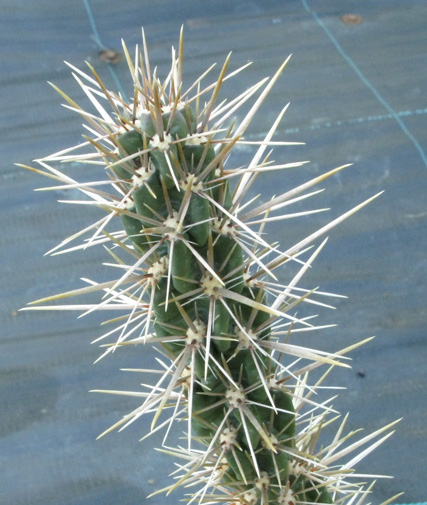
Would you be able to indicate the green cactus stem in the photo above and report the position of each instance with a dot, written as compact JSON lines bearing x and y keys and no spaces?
{"x":198,"y":278}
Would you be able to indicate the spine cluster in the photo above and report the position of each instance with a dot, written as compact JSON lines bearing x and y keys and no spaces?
{"x":201,"y":285}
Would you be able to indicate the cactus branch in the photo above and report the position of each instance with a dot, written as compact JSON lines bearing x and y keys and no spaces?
{"x":196,"y":276}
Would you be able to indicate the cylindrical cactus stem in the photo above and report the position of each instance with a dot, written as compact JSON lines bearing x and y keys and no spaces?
{"x":205,"y":283}
{"x":202,"y":286}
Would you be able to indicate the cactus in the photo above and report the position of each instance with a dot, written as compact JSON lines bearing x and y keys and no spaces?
{"x":198,"y":279}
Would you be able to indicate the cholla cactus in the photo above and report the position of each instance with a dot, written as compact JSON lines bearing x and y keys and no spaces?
{"x":197,"y":277}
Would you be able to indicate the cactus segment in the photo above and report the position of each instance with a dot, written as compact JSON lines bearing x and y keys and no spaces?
{"x":149,"y":200}
{"x":176,"y":125}
{"x":146,"y":124}
{"x":130,"y":143}
{"x":185,"y":272}
{"x":202,"y":280}
{"x":198,"y":155}
{"x":241,"y":466}
{"x":133,"y":229}
{"x":229,"y":261}
{"x":199,"y":217}
{"x":163,"y":161}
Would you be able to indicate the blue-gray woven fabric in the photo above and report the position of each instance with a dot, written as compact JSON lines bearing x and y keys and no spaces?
{"x":357,"y":93}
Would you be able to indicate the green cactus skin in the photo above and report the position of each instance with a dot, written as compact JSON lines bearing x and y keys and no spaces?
{"x":212,"y":301}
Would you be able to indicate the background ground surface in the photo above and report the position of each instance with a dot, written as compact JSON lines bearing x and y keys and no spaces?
{"x":358,"y":95}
